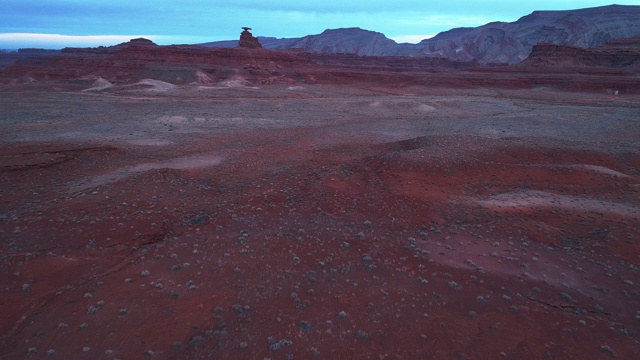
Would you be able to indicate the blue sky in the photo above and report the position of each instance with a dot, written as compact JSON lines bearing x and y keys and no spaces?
{"x":60,"y":23}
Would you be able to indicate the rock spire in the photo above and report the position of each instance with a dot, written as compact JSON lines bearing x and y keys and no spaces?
{"x":247,"y":40}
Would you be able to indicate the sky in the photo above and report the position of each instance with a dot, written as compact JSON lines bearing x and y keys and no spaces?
{"x":54,"y":24}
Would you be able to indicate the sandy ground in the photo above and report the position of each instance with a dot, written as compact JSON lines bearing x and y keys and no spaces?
{"x":295,"y":222}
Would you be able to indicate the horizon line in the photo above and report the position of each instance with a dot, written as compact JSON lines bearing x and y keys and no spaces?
{"x":53,"y":41}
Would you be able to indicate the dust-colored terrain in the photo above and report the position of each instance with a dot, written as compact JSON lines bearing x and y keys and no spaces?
{"x":302,"y":219}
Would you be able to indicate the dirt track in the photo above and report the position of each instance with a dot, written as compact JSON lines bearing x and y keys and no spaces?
{"x":319,"y":222}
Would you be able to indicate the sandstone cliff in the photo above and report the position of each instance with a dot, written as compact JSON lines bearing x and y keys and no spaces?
{"x":621,"y":53}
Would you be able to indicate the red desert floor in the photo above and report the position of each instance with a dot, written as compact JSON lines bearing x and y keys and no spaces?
{"x":319,"y":222}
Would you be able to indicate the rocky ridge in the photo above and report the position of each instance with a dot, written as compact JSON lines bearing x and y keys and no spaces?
{"x":141,"y":59}
{"x":333,"y":41}
{"x":493,"y":43}
{"x":141,"y":63}
{"x":621,"y":53}
{"x":511,"y":43}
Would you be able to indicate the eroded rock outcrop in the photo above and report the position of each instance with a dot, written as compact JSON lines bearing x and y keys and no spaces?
{"x":247,"y":40}
{"x":141,"y":59}
{"x":621,"y":53}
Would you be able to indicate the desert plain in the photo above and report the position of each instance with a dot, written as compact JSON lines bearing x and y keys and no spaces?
{"x":368,"y":218}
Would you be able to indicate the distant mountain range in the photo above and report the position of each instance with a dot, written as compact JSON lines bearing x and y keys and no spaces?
{"x":348,"y":41}
{"x":496,"y":42}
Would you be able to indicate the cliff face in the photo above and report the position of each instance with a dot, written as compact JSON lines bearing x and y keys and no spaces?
{"x":621,"y":53}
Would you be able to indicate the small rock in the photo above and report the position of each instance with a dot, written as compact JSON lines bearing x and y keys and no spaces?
{"x":566,"y":297}
{"x":607,"y":350}
{"x":362,"y":335}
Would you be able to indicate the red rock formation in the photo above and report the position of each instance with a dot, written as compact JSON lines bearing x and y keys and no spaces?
{"x":567,"y":68}
{"x":139,"y":59}
{"x":247,"y":40}
{"x":623,"y":53}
